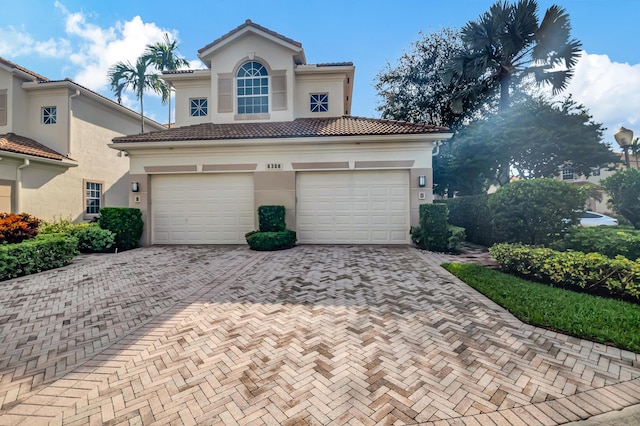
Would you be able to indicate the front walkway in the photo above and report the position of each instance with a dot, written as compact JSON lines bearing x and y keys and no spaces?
{"x":312,"y":335}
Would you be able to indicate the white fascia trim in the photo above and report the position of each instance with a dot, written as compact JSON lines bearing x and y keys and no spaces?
{"x":195,"y":75}
{"x":283,"y":141}
{"x":36,"y":159}
{"x":313,"y":69}
{"x":255,"y":31}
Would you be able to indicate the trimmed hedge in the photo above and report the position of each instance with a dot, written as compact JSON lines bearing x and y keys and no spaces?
{"x":271,"y":218}
{"x":590,"y":272}
{"x":472,"y":213}
{"x":36,"y":255}
{"x":126,"y":223}
{"x":608,"y":240}
{"x":433,"y":229}
{"x":15,"y":228}
{"x":269,"y":241}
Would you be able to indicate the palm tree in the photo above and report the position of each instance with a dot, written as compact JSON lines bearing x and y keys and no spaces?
{"x":139,"y":78}
{"x":163,"y":56}
{"x":508,"y":43}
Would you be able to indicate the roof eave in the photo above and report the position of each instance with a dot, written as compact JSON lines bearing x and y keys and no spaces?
{"x":61,"y":163}
{"x":307,"y":140}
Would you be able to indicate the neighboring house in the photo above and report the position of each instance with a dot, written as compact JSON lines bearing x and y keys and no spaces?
{"x":593,"y":204}
{"x":260,"y":126}
{"x":54,"y":156}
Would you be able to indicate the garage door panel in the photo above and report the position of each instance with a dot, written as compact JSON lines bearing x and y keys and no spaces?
{"x":202,"y":209}
{"x":353,"y":207}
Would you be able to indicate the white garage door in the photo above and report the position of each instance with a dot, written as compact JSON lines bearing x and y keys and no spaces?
{"x":365,"y":207}
{"x":202,"y":209}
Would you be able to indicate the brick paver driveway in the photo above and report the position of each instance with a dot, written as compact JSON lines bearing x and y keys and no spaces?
{"x":316,"y":335}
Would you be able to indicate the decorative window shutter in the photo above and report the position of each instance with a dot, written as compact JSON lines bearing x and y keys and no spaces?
{"x":225,"y":93}
{"x":3,"y":109}
{"x":279,"y":92}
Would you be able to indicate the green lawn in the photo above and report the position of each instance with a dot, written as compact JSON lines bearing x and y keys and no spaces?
{"x":582,"y":315}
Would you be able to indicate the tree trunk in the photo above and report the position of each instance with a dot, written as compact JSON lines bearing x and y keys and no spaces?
{"x":505,"y":82}
{"x":141,"y":114}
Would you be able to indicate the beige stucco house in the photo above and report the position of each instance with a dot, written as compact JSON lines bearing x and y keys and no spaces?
{"x":54,"y":156}
{"x":261,"y":126}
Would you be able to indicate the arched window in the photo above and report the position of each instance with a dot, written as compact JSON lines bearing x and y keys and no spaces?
{"x":253,"y":88}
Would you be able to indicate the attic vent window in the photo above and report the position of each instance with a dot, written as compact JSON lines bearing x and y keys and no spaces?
{"x":319,"y":102}
{"x":49,"y":115}
{"x":198,"y":107}
{"x":252,"y":88}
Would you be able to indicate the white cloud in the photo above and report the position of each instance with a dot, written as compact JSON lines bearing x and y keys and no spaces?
{"x":99,"y":48}
{"x":18,"y":42}
{"x":610,"y":90}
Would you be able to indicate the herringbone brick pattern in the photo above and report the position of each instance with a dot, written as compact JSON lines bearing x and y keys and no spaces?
{"x":312,"y":335}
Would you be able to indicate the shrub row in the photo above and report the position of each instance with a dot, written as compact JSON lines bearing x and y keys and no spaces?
{"x":15,"y":228}
{"x":610,"y":241}
{"x":37,"y":254}
{"x":590,"y":272}
{"x":533,"y":211}
{"x":91,"y":238}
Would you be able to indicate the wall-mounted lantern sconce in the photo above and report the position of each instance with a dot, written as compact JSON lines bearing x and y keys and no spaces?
{"x":135,"y":187}
{"x":422,"y":181}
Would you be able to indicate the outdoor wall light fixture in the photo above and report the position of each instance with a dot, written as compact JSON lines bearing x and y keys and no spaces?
{"x":135,"y":187}
{"x":422,"y":181}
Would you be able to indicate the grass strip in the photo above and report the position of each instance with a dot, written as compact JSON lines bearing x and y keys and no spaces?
{"x":594,"y":318}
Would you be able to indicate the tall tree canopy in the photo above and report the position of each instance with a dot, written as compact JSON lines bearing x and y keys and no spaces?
{"x":534,"y":138}
{"x":138,"y":77}
{"x":164,"y":56}
{"x":414,"y":89}
{"x":508,"y":43}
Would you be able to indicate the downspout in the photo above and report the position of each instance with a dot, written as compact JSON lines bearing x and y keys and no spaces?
{"x":26,"y":163}
{"x":435,"y":154}
{"x":77,"y":93}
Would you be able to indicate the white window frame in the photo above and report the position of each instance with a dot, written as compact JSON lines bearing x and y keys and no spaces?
{"x":91,"y":196}
{"x":254,"y":73}
{"x":567,"y":173}
{"x":49,"y":115}
{"x":198,"y":107}
{"x":318,"y":102}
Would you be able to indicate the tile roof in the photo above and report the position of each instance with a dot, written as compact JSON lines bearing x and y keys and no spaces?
{"x":11,"y":142}
{"x":301,"y":127}
{"x":249,"y":23}
{"x":10,"y":64}
{"x":335,"y":64}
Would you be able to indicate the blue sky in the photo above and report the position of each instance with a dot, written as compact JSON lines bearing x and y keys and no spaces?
{"x":79,"y":39}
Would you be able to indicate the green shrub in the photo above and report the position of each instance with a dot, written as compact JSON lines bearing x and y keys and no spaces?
{"x":590,"y":272}
{"x":608,"y":240}
{"x":623,"y":188}
{"x":433,"y":227}
{"x":472,"y":213}
{"x":456,"y":237}
{"x":126,"y":223}
{"x":271,"y":218}
{"x":57,"y":226}
{"x":534,"y":211}
{"x":269,"y":241}
{"x":92,"y":238}
{"x":15,"y":228}
{"x":37,"y":254}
